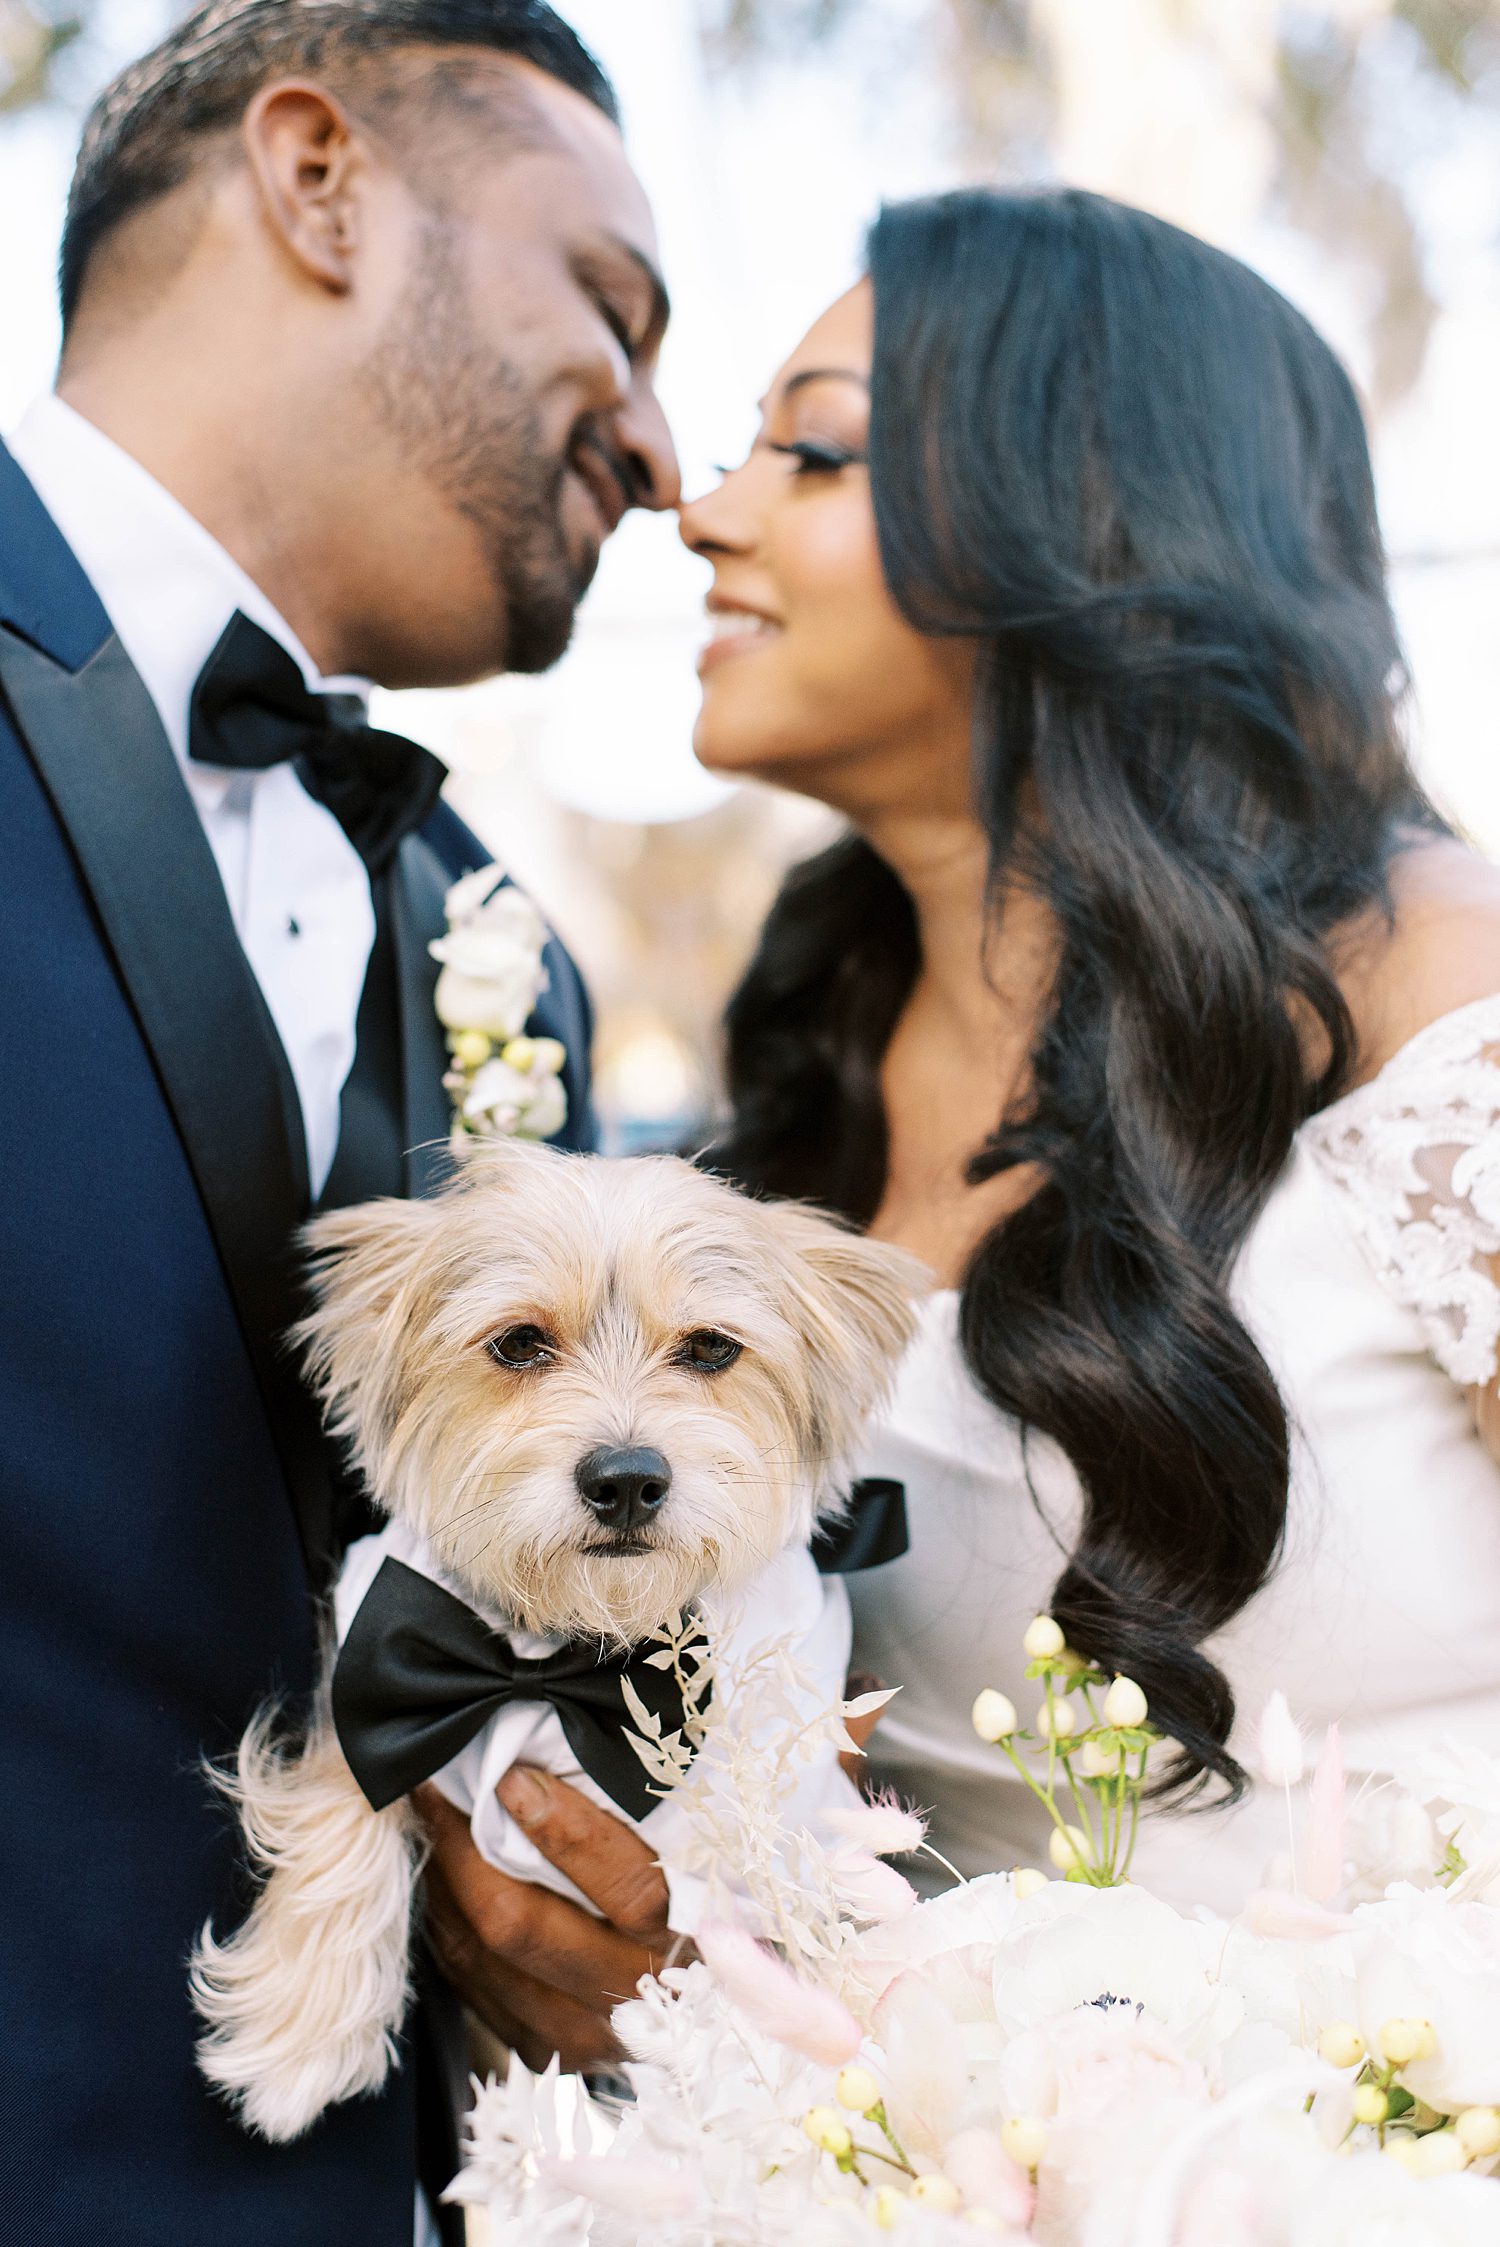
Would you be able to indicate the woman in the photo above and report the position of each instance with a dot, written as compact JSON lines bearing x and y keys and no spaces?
{"x":1147,"y":1000}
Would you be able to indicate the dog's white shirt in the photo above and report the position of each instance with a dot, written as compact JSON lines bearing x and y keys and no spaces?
{"x":789,"y":1604}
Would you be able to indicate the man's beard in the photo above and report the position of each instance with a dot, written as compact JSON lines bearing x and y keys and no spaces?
{"x":461,"y":417}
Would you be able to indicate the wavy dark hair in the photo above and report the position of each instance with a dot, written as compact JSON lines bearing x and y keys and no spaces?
{"x":1137,"y":476}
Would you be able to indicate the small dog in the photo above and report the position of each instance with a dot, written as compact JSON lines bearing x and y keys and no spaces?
{"x":590,"y":1394}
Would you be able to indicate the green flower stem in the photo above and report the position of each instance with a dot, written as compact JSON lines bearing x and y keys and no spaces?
{"x":1113,"y":1813}
{"x":1084,"y":1819}
{"x":883,"y":2124}
{"x":873,"y":2153}
{"x":1041,"y":1793}
{"x":1135,"y":1814}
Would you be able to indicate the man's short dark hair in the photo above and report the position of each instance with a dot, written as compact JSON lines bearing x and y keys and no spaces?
{"x":143,"y":133}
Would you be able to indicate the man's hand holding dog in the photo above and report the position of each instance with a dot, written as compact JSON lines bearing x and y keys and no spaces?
{"x":542,"y":1973}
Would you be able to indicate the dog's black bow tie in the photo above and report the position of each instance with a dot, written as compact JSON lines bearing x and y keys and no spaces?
{"x":420,"y":1674}
{"x":252,"y":709}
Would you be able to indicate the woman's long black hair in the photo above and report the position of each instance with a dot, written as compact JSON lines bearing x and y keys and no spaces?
{"x":1140,"y":479}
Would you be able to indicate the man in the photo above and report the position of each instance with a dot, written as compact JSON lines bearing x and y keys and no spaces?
{"x":361,"y":315}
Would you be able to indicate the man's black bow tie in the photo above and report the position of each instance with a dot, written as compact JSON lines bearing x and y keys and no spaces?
{"x":252,"y":709}
{"x":420,"y":1674}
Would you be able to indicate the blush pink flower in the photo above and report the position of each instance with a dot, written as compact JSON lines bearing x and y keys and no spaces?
{"x":812,"y":2021}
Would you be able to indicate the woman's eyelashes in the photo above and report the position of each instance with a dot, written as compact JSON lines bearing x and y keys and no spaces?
{"x":819,"y":456}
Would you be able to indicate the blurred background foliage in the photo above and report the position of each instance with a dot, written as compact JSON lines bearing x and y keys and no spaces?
{"x":31,"y":40}
{"x":1340,"y":91}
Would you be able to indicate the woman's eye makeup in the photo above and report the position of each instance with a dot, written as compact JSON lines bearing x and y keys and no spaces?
{"x":819,"y":456}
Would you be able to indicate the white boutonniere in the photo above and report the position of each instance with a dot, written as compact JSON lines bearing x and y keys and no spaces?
{"x":503,"y":1084}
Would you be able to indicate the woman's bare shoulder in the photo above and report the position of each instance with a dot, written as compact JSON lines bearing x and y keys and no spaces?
{"x":1443,"y":952}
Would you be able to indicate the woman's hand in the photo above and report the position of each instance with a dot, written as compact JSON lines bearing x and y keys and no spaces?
{"x":538,"y":1970}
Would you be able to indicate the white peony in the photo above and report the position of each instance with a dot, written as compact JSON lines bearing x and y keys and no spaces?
{"x":1070,"y":1945}
{"x":1461,"y":1787}
{"x":1425,"y":1955}
{"x":1389,"y":1834}
{"x":1370,"y":2202}
{"x":1099,"y":2065}
{"x":978,"y":1911}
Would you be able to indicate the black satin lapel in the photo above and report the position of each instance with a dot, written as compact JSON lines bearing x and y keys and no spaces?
{"x":419,"y":888}
{"x":97,"y":742}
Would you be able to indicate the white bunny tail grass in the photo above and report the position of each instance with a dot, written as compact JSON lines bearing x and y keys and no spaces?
{"x":303,"y":2002}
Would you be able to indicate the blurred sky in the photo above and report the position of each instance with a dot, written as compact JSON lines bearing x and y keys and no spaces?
{"x":763,"y":182}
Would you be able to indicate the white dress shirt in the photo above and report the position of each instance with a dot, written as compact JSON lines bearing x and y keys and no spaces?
{"x":297,"y":888}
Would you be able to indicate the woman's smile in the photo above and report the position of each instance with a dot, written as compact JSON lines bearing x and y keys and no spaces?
{"x":733,"y":631}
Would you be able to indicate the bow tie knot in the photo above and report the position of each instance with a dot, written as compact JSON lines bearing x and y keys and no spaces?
{"x":252,"y":709}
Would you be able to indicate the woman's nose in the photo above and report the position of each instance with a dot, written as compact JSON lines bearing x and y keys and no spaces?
{"x":716,"y":522}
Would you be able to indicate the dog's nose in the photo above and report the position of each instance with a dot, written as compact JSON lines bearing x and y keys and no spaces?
{"x":624,"y":1488}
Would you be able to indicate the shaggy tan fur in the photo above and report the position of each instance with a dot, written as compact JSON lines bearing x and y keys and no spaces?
{"x":617,"y":1262}
{"x":302,"y":2005}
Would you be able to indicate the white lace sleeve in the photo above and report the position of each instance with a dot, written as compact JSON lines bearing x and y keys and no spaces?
{"x":1415,"y":1156}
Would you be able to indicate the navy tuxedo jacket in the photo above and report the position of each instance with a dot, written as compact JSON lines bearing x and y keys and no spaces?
{"x":166,"y":1497}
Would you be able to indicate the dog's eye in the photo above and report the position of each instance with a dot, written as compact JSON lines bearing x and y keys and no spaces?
{"x":708,"y":1351}
{"x":521,"y":1346}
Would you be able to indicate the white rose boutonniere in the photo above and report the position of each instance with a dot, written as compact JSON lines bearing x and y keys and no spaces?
{"x":503,"y":1084}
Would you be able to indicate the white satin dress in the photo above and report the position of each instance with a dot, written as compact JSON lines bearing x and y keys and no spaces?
{"x":1369,"y":1283}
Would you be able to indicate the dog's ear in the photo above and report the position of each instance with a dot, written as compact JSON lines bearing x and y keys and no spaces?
{"x":854,"y":1301}
{"x":365,"y":1277}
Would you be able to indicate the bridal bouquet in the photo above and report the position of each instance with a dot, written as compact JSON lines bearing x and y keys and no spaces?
{"x":1062,"y":2060}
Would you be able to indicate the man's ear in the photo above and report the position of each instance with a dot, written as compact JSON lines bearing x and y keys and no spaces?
{"x":854,"y":1301}
{"x":366,"y":1275}
{"x":306,"y":158}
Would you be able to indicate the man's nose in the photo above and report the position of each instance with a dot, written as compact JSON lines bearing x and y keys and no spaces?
{"x":646,"y":437}
{"x":623,"y":1487}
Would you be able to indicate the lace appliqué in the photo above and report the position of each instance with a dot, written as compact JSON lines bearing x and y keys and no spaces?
{"x":1415,"y":1154}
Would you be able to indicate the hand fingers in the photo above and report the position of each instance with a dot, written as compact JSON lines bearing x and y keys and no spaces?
{"x":533,"y":2020}
{"x":614,"y":1868}
{"x":532,"y":1930}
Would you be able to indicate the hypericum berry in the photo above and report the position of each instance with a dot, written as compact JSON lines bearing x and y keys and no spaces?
{"x":828,"y":2131}
{"x":1341,"y":2045}
{"x":934,"y":2191}
{"x":1068,"y":1848}
{"x":1024,"y":2139}
{"x":1478,"y":2131}
{"x":857,"y":2089}
{"x":993,"y":1715}
{"x":1125,"y":1704}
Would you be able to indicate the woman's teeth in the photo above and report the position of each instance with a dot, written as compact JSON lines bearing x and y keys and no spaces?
{"x":735,"y":624}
